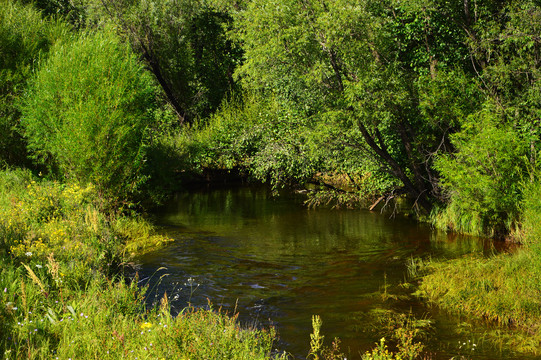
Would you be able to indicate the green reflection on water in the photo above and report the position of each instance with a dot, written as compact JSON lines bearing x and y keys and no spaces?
{"x":278,"y":262}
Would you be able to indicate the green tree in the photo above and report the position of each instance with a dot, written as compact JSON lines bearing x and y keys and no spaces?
{"x":89,"y":111}
{"x":497,"y":149}
{"x":183,"y":43}
{"x":343,"y":65}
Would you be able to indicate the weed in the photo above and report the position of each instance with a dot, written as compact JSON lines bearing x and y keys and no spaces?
{"x":317,"y":349}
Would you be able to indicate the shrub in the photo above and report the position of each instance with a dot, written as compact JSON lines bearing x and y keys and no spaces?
{"x":88,"y":113}
{"x":24,"y":37}
{"x":484,"y":177}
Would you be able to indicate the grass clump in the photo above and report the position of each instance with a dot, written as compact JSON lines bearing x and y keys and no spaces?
{"x":62,"y":294}
{"x":503,"y":288}
{"x":402,"y":336}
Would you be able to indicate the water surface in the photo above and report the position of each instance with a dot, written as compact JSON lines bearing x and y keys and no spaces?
{"x":278,"y":263}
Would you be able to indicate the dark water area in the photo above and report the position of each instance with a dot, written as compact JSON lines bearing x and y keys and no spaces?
{"x":277,"y":263}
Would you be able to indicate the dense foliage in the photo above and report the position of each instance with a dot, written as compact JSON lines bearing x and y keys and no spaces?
{"x":388,"y":95}
{"x":184,"y":45}
{"x":439,"y":96}
{"x":24,"y":37}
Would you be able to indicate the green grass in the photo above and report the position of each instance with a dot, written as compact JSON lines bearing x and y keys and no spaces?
{"x":48,"y":315}
{"x":61,"y":295}
{"x":504,"y":289}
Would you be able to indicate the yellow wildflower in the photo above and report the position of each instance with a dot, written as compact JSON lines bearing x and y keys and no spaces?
{"x":146,"y":325}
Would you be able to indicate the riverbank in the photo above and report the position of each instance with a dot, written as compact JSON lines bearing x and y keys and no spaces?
{"x":503,"y":289}
{"x":62,"y":291}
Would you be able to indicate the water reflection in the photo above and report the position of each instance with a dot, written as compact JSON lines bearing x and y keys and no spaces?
{"x":277,"y":262}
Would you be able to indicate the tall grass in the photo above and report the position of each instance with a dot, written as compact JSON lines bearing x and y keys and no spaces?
{"x":503,"y":288}
{"x":531,"y":216}
{"x":62,"y":297}
{"x":454,"y":218}
{"x":48,"y":315}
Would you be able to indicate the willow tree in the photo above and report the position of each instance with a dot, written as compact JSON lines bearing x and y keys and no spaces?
{"x":379,"y":68}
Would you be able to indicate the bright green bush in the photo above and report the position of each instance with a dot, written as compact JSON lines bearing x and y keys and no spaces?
{"x":258,"y":136}
{"x":484,"y":178}
{"x":89,"y":112}
{"x":25,"y":37}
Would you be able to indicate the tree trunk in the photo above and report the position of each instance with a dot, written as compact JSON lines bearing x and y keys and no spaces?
{"x":420,"y":194}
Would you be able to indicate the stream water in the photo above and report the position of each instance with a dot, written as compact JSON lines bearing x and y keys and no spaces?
{"x":278,"y":263}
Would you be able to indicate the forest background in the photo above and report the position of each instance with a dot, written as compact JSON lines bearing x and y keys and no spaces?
{"x":123,"y":102}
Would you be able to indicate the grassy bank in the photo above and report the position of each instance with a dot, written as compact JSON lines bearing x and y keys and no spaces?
{"x":504,"y":288}
{"x":62,"y":294}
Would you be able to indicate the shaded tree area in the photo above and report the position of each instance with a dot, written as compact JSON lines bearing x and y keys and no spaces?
{"x":439,"y":98}
{"x":184,"y":45}
{"x":395,"y":76}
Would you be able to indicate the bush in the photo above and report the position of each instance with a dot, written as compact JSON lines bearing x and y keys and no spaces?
{"x":88,"y":114}
{"x":484,"y":177}
{"x":24,"y":37}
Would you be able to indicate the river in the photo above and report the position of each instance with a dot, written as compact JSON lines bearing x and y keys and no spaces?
{"x":277,"y":263}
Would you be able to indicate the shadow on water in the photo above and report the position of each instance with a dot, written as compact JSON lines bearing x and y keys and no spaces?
{"x":278,"y":263}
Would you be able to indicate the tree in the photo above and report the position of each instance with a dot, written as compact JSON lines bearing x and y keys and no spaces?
{"x":346,"y":58}
{"x":497,"y":148}
{"x":183,"y":43}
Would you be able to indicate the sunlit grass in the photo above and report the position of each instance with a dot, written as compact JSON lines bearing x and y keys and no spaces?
{"x":61,"y":295}
{"x":503,"y":289}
